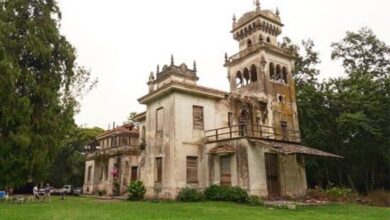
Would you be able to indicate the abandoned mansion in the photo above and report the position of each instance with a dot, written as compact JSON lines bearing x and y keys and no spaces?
{"x":194,"y":136}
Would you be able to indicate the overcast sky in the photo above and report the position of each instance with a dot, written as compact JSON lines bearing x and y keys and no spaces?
{"x":122,"y":41}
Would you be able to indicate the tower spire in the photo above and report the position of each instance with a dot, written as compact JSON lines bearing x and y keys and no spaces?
{"x":172,"y":60}
{"x":195,"y":70}
{"x":257,"y":3}
{"x":277,"y":12}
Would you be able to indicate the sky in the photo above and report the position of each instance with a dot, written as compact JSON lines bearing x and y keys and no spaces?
{"x":121,"y":41}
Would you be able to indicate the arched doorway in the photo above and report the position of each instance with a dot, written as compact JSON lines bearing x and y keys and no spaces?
{"x":244,"y":121}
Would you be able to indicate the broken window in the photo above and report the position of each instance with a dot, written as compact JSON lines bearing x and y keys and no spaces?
{"x":198,"y":120}
{"x":192,"y":169}
{"x":158,"y":169}
{"x":160,"y":119}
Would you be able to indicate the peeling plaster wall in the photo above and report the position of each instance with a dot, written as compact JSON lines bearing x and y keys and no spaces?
{"x":292,"y":176}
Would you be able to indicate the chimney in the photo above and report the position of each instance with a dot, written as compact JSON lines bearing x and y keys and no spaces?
{"x":113,"y":125}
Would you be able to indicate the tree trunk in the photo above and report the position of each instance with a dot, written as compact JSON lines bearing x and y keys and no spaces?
{"x":350,"y":181}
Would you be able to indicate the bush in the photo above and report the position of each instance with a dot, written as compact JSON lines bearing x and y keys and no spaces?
{"x":226,"y":193}
{"x":102,"y":192}
{"x":255,"y":201}
{"x":136,"y":191}
{"x":334,"y":194}
{"x":189,"y":195}
{"x":378,"y":198}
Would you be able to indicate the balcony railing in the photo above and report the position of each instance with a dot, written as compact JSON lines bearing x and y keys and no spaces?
{"x":112,"y":151}
{"x":255,"y":47}
{"x":252,"y":131}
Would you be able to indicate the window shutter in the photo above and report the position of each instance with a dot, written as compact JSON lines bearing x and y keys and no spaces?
{"x":192,"y":170}
{"x":198,"y":121}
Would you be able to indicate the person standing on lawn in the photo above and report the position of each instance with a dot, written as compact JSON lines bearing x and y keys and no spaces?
{"x":47,"y":192}
{"x":36,"y":192}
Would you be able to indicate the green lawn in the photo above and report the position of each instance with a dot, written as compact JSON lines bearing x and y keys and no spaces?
{"x":85,"y":208}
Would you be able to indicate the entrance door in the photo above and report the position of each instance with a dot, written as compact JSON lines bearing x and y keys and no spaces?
{"x":226,"y":177}
{"x":272,"y":171}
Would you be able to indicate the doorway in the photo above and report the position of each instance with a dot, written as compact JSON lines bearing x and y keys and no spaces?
{"x":272,"y":172}
{"x":244,"y":123}
{"x":226,"y":176}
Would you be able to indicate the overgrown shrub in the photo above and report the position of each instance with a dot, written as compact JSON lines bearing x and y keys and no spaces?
{"x":102,"y":192}
{"x":333,"y":194}
{"x":136,"y":191}
{"x":226,"y":193}
{"x":255,"y":201}
{"x":189,"y":195}
{"x":378,"y":198}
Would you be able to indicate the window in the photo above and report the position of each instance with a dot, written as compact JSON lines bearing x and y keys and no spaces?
{"x":158,"y":170}
{"x":192,"y":169}
{"x":230,"y":119}
{"x":89,"y":173}
{"x":272,"y":71}
{"x":249,"y":43}
{"x":239,"y":81}
{"x":198,"y":120}
{"x":246,"y":76}
{"x":134,"y":173}
{"x":253,"y":73}
{"x":160,"y":119}
{"x":225,"y":171}
{"x":278,"y":73}
{"x":281,"y":98}
{"x":284,"y":71}
{"x":101,"y":172}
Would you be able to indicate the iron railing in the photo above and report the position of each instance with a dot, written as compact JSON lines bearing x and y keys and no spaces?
{"x":252,"y":131}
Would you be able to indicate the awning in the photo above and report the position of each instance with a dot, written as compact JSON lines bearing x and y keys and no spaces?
{"x":291,"y":148}
{"x":222,"y":149}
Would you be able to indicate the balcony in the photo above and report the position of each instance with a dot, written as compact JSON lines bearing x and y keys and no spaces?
{"x":254,"y":131}
{"x":254,"y":48}
{"x":114,"y":151}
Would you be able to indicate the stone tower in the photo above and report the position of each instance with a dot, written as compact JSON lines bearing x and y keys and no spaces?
{"x":262,"y":71}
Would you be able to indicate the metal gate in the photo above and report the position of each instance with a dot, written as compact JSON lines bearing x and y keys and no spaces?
{"x":272,"y":172}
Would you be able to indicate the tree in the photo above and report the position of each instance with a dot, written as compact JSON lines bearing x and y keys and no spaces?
{"x":69,"y":164}
{"x":349,"y":115}
{"x":131,"y":116}
{"x":40,"y":83}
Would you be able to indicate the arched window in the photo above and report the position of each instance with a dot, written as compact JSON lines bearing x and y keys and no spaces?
{"x":284,"y":71}
{"x":261,"y":39}
{"x":249,"y":43}
{"x":239,"y":81}
{"x":272,"y":71}
{"x":246,"y":76}
{"x":278,"y":73}
{"x":253,"y":73}
{"x":268,"y":39}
